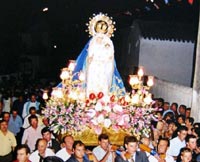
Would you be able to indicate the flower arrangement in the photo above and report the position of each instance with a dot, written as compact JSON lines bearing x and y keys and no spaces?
{"x":99,"y":111}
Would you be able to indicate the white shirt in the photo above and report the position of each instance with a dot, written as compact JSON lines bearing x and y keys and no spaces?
{"x":30,"y":137}
{"x":26,"y":122}
{"x":34,"y":157}
{"x":151,"y":158}
{"x":31,"y":104}
{"x":175,"y":145}
{"x":63,"y":154}
{"x":100,"y":153}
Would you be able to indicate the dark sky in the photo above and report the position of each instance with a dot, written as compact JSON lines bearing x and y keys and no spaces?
{"x":65,"y":20}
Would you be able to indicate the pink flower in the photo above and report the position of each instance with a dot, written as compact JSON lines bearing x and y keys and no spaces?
{"x":98,"y":130}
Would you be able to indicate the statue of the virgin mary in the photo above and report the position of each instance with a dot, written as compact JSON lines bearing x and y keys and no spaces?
{"x":96,"y":61}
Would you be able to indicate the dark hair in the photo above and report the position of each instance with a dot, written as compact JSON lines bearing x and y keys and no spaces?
{"x":197,"y":131}
{"x":52,"y":159}
{"x":32,"y":117}
{"x":185,"y":149}
{"x":45,"y":129}
{"x":164,"y":139}
{"x":181,"y":128}
{"x":189,"y":136}
{"x":128,"y":139}
{"x":196,"y":125}
{"x":198,"y":142}
{"x":31,"y":109}
{"x":24,"y":146}
{"x":6,"y":113}
{"x":78,"y":143}
{"x":175,"y":104}
{"x":1,"y":121}
{"x":180,"y":116}
{"x":189,"y":108}
{"x":103,"y":136}
{"x":191,"y":120}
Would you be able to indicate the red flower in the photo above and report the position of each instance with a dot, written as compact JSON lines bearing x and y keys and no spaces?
{"x":92,"y":96}
{"x":112,"y":98}
{"x":122,"y":100}
{"x":100,"y":95}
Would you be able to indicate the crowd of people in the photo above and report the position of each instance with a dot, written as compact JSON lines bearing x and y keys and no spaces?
{"x":25,"y":135}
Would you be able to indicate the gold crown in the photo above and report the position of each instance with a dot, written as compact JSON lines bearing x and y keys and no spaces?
{"x":101,"y":23}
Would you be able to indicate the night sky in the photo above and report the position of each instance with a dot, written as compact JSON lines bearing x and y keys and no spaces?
{"x":64,"y":24}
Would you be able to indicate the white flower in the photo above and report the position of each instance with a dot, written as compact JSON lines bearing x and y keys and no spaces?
{"x":94,"y":121}
{"x":98,"y":106}
{"x":117,"y":108}
{"x":107,"y":123}
{"x":106,"y":99}
{"x":91,"y":113}
{"x":107,"y":108}
{"x":100,"y":118}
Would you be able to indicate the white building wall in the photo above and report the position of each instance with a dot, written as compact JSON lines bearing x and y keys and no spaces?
{"x":168,"y":60}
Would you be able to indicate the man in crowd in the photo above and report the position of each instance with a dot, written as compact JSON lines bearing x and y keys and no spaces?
{"x":32,"y":111}
{"x":31,"y":103}
{"x":191,"y":143}
{"x":32,"y":133}
{"x":65,"y":153}
{"x":131,"y":154}
{"x":103,"y":152}
{"x":162,"y":156}
{"x":178,"y":142}
{"x":7,"y":141}
{"x":52,"y":143}
{"x":41,"y":152}
{"x":23,"y":153}
{"x":79,"y":153}
{"x":15,"y":124}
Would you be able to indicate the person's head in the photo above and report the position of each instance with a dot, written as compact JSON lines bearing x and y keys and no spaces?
{"x":6,"y":116}
{"x":14,"y":113}
{"x":41,"y":145}
{"x":23,"y":152}
{"x":33,"y":121}
{"x":103,"y":141}
{"x":181,"y":119}
{"x":145,"y":140}
{"x":174,"y":107}
{"x":166,"y":106}
{"x":21,"y":98}
{"x":163,"y":144}
{"x":32,"y":110}
{"x":182,"y":109}
{"x":182,"y":132}
{"x":168,"y":116}
{"x":189,"y":121}
{"x":78,"y":149}
{"x":52,"y":159}
{"x":46,"y":133}
{"x":191,"y":141}
{"x":160,"y":125}
{"x":45,"y":121}
{"x":68,"y":141}
{"x":160,"y":102}
{"x":131,"y":144}
{"x":159,"y":114}
{"x":3,"y":126}
{"x":196,"y":132}
{"x":186,"y":154}
{"x":196,"y":125}
{"x":188,"y":112}
{"x":33,"y":98}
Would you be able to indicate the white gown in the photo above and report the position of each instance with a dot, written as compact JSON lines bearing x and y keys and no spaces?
{"x":100,"y":65}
